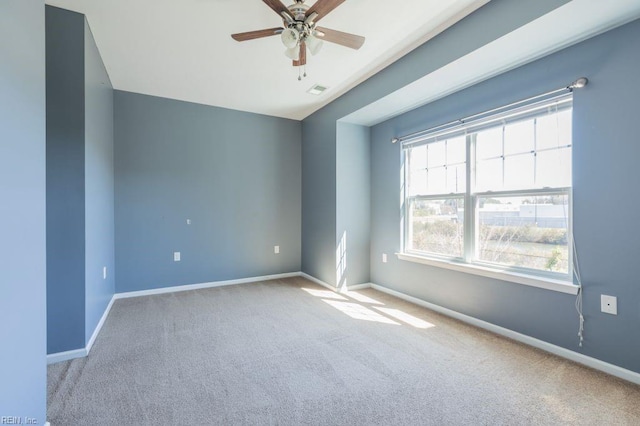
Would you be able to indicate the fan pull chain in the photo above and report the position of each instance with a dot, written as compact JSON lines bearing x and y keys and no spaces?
{"x":302,"y":72}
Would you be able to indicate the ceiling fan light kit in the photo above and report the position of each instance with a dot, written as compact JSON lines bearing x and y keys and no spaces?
{"x":290,"y":38}
{"x":314,"y":44}
{"x":293,"y":53}
{"x":300,"y":30}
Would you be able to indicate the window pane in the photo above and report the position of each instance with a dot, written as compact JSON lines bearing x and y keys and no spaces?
{"x":553,"y":130}
{"x":436,"y":154}
{"x":418,"y":157}
{"x":526,"y":232}
{"x":519,"y":172}
{"x":565,"y":127}
{"x":417,"y":171}
{"x":489,"y":175}
{"x":553,"y":168}
{"x":489,"y":143}
{"x":456,"y":150}
{"x":438,"y":168}
{"x":456,"y":179}
{"x":519,"y":137}
{"x":437,"y":226}
{"x":547,"y":132}
{"x":418,"y":182}
{"x":437,"y":181}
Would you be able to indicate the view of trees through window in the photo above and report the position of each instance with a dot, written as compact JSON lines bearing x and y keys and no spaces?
{"x":529,"y":232}
{"x":438,"y":226}
{"x":517,"y":188}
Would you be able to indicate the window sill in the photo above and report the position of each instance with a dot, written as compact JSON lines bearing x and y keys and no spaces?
{"x":540,"y":282}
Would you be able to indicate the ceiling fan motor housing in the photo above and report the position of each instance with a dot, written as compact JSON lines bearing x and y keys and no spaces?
{"x":303,"y":26}
{"x":298,"y":10}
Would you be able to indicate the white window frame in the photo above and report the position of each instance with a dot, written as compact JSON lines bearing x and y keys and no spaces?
{"x":467,"y":262}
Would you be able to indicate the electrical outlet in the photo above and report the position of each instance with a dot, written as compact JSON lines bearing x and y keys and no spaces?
{"x":176,"y":256}
{"x":609,"y":304}
{"x":188,"y":221}
{"x":384,"y":257}
{"x":276,"y":249}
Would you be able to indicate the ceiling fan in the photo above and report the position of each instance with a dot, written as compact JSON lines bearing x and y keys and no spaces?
{"x":300,"y":31}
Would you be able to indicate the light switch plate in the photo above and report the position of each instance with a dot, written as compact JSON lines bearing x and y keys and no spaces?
{"x":276,"y":249}
{"x":176,"y":256}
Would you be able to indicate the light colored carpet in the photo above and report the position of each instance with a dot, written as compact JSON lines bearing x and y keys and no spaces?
{"x":287,"y":352}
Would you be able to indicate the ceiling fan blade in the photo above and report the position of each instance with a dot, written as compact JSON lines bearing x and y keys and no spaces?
{"x":345,"y":39}
{"x":276,"y":6}
{"x":323,"y":7}
{"x":303,"y":56}
{"x":251,"y":35}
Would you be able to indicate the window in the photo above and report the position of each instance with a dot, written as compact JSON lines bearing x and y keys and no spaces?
{"x":495,"y":191}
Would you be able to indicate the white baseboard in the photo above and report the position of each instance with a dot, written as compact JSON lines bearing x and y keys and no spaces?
{"x":594,"y":363}
{"x":100,"y":324}
{"x":360,"y":286}
{"x":80,"y":353}
{"x":66,"y":356}
{"x":317,"y":281}
{"x":188,"y":287}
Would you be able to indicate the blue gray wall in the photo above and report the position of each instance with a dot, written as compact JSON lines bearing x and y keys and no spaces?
{"x":353,"y":175}
{"x":22,"y":210}
{"x":319,"y":198}
{"x":605,"y":154}
{"x":99,"y":193}
{"x":319,"y":139}
{"x":80,"y":182}
{"x":65,"y":180}
{"x":234,"y":175}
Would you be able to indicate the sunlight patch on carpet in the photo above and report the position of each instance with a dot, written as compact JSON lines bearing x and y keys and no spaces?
{"x":405,"y":317}
{"x":362,"y":298}
{"x":325,"y":294}
{"x":359,"y":312}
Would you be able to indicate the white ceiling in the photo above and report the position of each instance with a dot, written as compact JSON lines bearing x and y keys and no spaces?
{"x":183,"y":49}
